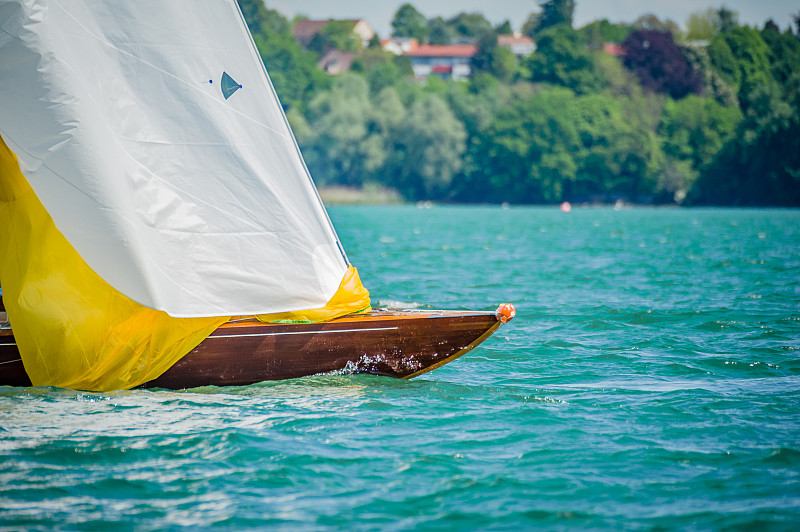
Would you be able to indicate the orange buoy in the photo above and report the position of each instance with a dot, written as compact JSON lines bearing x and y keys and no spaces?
{"x":506,"y":312}
{"x":566,"y":207}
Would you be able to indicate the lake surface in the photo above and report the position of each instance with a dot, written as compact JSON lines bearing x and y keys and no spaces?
{"x":651,"y":380}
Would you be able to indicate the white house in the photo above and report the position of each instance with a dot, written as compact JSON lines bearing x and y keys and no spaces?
{"x":451,"y":61}
{"x":520,"y":45}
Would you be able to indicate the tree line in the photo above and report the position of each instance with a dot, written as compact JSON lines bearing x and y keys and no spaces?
{"x":709,"y":115}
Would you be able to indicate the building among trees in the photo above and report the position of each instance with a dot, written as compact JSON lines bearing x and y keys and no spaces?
{"x":305,"y":31}
{"x":520,"y":45}
{"x":447,"y":61}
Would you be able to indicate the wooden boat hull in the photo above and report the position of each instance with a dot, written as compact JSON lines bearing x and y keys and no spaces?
{"x":394,"y":343}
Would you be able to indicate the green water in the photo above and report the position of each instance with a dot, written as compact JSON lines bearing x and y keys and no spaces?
{"x":651,"y":380}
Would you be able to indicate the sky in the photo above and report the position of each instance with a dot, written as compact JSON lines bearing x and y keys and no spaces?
{"x":379,"y":13}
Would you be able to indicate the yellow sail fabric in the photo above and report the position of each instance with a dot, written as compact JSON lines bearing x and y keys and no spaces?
{"x":72,"y":328}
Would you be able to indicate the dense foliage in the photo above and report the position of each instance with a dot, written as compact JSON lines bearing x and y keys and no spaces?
{"x":675,"y":119}
{"x":660,"y":64}
{"x":553,"y":13}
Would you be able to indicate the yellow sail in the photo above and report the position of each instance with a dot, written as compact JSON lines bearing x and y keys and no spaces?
{"x":73,"y":330}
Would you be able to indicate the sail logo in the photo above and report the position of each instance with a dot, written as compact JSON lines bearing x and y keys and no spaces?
{"x":228,"y":85}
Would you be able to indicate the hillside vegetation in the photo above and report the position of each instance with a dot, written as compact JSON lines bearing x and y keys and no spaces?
{"x":709,"y":115}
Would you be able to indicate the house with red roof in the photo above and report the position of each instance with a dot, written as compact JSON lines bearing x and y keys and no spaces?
{"x":520,"y":45}
{"x":448,"y":61}
{"x":399,"y":45}
{"x":336,"y":62}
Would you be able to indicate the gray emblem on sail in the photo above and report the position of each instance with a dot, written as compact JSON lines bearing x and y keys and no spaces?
{"x":229,"y":85}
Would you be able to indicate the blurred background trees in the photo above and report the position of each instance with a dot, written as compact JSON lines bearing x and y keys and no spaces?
{"x":643,"y":111}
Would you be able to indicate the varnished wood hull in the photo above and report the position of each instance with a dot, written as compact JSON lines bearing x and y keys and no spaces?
{"x":400,"y":344}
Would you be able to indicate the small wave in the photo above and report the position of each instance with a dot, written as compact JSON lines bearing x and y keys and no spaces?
{"x":731,"y":364}
{"x":600,"y":325}
{"x":784,"y":456}
{"x":723,"y":325}
{"x":561,"y":343}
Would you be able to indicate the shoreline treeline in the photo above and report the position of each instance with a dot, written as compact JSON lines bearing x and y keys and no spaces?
{"x":705,"y":116}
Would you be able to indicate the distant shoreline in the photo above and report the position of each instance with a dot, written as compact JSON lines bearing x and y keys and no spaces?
{"x":368,"y":195}
{"x":377,"y":196}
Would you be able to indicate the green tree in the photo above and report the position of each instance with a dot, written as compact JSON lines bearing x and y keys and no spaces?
{"x":761,"y":165}
{"x":492,"y":59}
{"x":556,"y":145}
{"x":382,"y":69}
{"x":723,"y":62}
{"x":475,"y":105}
{"x":504,"y":28}
{"x":727,"y":19}
{"x":348,"y":145}
{"x":621,"y":154}
{"x":408,"y":22}
{"x":482,"y":60}
{"x":259,"y":19}
{"x":694,"y":130}
{"x":553,"y":13}
{"x":561,"y":58}
{"x":602,"y":31}
{"x":470,"y":25}
{"x":751,"y":55}
{"x":530,"y":25}
{"x":293,"y":71}
{"x":702,"y":25}
{"x":503,"y":64}
{"x":784,"y":53}
{"x":714,"y":84}
{"x":427,"y":148}
{"x":439,"y":31}
{"x":511,"y":150}
{"x":374,"y":43}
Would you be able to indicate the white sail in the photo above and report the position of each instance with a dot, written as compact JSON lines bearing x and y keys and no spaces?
{"x":185,"y":195}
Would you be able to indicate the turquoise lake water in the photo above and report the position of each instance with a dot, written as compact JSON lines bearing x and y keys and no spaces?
{"x":650,"y":381}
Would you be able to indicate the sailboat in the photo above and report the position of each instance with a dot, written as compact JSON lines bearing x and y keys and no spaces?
{"x":159,"y":225}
